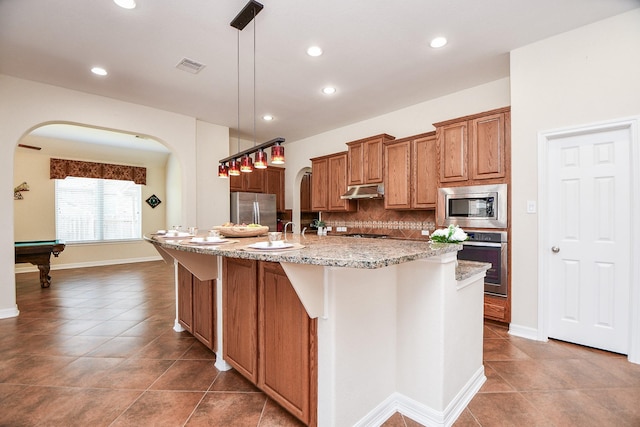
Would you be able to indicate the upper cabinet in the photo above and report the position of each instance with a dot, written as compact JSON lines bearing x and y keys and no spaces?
{"x":329,"y":182}
{"x":474,"y":148}
{"x":269,"y":181}
{"x":410,"y":172}
{"x":274,"y":184}
{"x":248,"y":182}
{"x":305,"y":193}
{"x":365,"y":160}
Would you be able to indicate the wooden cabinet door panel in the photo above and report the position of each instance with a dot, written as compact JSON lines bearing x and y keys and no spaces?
{"x":240,"y":308}
{"x":356,"y":164}
{"x":320,"y":184}
{"x":285,"y":342}
{"x":487,"y":135}
{"x":274,"y":184}
{"x":185,"y":298}
{"x":397,"y":159}
{"x":338,"y":184}
{"x":453,"y":146}
{"x":255,"y":181}
{"x":204,"y":304}
{"x":373,"y":155}
{"x":236,"y":182}
{"x":337,"y":181}
{"x":305,"y":193}
{"x":425,"y":173}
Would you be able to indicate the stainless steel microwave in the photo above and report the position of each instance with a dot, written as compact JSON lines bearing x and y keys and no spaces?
{"x":476,"y":206}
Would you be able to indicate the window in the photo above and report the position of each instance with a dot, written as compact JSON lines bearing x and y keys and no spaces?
{"x":94,"y":210}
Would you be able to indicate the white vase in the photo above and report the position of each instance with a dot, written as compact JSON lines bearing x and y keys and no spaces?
{"x":321,"y":231}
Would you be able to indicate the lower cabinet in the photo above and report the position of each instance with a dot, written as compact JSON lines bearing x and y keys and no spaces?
{"x":497,"y":308}
{"x":269,"y":338}
{"x":196,"y":306}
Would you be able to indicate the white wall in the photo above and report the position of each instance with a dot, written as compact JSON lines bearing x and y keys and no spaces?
{"x":588,"y":75}
{"x":25,"y":105}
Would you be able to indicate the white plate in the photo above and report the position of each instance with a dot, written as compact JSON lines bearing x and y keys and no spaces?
{"x":180,"y":235}
{"x":270,"y":247}
{"x":208,"y":242}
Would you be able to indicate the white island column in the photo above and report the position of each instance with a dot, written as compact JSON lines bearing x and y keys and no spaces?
{"x":404,"y":338}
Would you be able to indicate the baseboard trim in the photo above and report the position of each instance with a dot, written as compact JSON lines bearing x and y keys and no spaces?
{"x":100,"y":263}
{"x":523,"y":332}
{"x":6,"y":313}
{"x":421,"y":413}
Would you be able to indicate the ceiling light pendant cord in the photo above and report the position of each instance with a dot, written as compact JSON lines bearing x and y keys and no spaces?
{"x":238,"y":68}
{"x":254,"y":78}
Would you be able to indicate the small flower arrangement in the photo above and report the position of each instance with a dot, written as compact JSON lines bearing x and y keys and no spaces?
{"x":451,"y":234}
{"x":317,"y":224}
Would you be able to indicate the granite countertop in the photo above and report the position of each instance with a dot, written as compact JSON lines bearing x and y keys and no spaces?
{"x":327,"y":251}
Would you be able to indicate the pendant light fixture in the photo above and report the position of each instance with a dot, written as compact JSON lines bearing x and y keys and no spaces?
{"x":242,"y":161}
{"x":277,"y":154}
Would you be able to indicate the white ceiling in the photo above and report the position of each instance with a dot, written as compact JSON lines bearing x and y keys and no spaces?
{"x":376,"y":53}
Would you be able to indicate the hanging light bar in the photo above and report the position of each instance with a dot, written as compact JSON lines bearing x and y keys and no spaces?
{"x":241,"y":161}
{"x":233,"y":159}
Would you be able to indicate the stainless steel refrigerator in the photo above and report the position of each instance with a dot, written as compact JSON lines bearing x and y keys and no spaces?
{"x":254,"y":208}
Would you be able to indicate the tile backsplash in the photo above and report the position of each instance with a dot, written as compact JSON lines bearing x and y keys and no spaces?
{"x":372,"y":217}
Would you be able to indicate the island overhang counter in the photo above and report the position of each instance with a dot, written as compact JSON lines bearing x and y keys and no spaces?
{"x":399,"y":323}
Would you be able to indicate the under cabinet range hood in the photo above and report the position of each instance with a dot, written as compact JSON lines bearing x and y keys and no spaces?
{"x":368,"y":191}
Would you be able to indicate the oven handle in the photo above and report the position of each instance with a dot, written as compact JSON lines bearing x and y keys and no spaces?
{"x":486,"y":244}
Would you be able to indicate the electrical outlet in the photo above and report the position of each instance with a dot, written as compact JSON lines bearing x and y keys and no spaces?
{"x":329,"y":228}
{"x":425,"y":232}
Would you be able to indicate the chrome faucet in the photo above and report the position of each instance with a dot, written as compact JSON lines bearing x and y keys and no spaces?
{"x":285,"y":228}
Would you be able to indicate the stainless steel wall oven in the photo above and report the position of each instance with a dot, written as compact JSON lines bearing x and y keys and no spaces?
{"x":489,"y":247}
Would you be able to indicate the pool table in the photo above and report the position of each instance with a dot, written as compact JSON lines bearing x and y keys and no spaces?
{"x":38,"y":253}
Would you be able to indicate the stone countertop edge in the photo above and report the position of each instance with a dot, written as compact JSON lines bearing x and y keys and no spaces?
{"x":322,"y":250}
{"x":466,"y":269}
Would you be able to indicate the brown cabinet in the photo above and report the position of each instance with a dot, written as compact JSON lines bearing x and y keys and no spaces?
{"x":287,"y":344}
{"x":248,"y":182}
{"x":329,"y":182}
{"x":270,"y":181}
{"x":274,"y":184}
{"x":474,"y":149}
{"x":365,"y":160}
{"x":410,"y":172}
{"x":497,"y":308}
{"x":320,"y":184}
{"x":240,"y":316}
{"x":305,"y":193}
{"x":269,"y":338}
{"x":196,"y":306}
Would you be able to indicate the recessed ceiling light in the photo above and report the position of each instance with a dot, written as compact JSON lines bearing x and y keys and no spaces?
{"x":438,"y":42}
{"x":126,"y":4}
{"x":314,"y":51}
{"x":329,"y":90}
{"x":99,"y":71}
{"x":267,"y":117}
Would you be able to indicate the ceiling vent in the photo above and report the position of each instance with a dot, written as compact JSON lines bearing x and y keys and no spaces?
{"x":189,"y":65}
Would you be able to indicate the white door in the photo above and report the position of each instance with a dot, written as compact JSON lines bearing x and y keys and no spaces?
{"x":589,"y":252}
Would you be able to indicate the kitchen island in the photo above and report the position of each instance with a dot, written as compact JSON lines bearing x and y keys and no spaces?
{"x":395,"y":325}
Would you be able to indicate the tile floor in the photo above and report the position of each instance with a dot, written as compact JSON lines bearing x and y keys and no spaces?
{"x":97,"y":349}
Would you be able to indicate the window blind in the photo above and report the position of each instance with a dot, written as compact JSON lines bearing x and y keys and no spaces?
{"x":93,"y":210}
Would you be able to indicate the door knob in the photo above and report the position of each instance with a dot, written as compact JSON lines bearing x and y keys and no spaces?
{"x":555,"y":249}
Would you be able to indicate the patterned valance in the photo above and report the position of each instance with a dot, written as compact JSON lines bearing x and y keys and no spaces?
{"x":60,"y":169}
